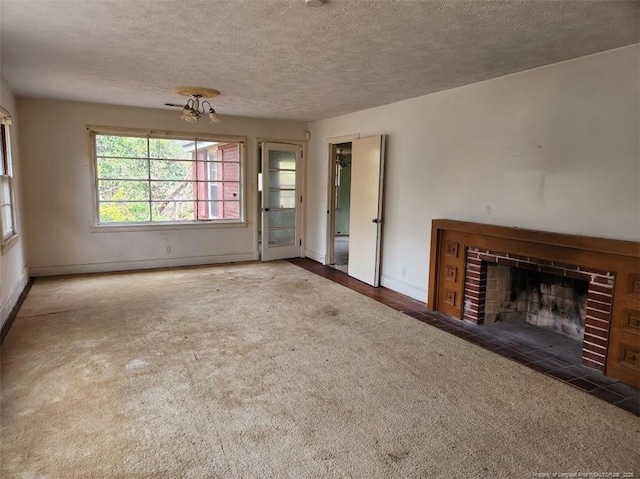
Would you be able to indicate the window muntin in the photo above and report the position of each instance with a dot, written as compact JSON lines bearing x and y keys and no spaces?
{"x":7,"y":210}
{"x":142,"y":179}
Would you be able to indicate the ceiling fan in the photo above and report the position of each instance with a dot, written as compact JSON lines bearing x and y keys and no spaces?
{"x":194,"y":108}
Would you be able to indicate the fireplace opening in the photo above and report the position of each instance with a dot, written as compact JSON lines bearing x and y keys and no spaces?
{"x":548,"y":301}
{"x":566,"y":306}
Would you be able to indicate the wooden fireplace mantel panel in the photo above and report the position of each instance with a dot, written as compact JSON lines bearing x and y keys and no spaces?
{"x":450,"y":240}
{"x":587,"y":243}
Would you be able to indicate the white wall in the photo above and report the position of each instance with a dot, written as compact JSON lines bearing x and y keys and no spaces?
{"x":58,"y":187}
{"x":555,"y":149}
{"x":13,"y":263}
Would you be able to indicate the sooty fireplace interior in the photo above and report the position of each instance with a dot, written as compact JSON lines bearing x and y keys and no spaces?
{"x":567,"y":299}
{"x":524,"y":296}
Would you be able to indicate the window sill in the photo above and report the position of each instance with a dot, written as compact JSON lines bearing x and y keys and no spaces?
{"x":117,"y":228}
{"x":10,"y":243}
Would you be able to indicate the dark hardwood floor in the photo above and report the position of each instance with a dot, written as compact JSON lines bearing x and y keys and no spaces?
{"x":390,"y":298}
{"x":532,"y":354}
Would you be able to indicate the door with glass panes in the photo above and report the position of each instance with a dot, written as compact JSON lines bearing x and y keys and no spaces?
{"x":281,"y":201}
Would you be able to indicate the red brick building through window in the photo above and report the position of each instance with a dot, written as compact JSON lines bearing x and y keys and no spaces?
{"x":217,"y":178}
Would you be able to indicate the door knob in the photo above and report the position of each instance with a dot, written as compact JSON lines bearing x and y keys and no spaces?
{"x":266,"y":209}
{"x":376,"y":220}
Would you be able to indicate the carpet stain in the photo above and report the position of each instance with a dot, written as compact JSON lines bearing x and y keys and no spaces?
{"x":324,"y":456}
{"x":136,"y":364}
{"x":397,"y":457}
{"x":329,"y":311}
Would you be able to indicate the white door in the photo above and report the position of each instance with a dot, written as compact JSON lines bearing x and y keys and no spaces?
{"x":365,"y":223}
{"x":280,"y":201}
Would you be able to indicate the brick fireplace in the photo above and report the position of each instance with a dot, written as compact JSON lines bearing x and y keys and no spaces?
{"x":606,"y":271}
{"x":596,"y":317}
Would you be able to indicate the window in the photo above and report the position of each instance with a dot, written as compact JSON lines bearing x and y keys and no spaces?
{"x":154,"y":179}
{"x":7,"y":210}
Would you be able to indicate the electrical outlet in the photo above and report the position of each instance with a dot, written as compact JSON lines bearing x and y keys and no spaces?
{"x":403,"y":273}
{"x":168,"y":248}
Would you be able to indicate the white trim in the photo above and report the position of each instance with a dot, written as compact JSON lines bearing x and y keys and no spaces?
{"x":169,"y":134}
{"x":9,"y":243}
{"x":132,"y":227}
{"x":334,"y":140}
{"x":401,"y":286}
{"x":314,"y":256}
{"x":140,"y":264}
{"x":12,"y":300}
{"x":5,"y":116}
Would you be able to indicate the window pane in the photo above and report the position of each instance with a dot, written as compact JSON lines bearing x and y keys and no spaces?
{"x":123,"y":168}
{"x":7,"y":220}
{"x":221,"y":210}
{"x":3,"y":149}
{"x":229,"y":152}
{"x":284,"y":237}
{"x":173,"y":211}
{"x":231,"y":190}
{"x":282,"y":160}
{"x":212,"y":192}
{"x":5,"y":190}
{"x":282,"y":179}
{"x":215,"y":170}
{"x":112,"y":212}
{"x":121,"y":146}
{"x":172,"y":170}
{"x":171,"y":149}
{"x":208,"y":151}
{"x":117,"y":190}
{"x":231,"y":210}
{"x":172,"y":190}
{"x":282,"y":199}
{"x":230,"y":172}
{"x":210,"y":210}
{"x":282,"y":218}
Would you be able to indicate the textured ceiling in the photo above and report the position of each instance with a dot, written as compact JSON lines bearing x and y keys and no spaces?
{"x":282,"y":59}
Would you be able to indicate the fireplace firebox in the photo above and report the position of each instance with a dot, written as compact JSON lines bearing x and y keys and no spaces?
{"x":568,"y":299}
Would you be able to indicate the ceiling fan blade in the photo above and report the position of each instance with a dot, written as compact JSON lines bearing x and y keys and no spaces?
{"x":174,"y":104}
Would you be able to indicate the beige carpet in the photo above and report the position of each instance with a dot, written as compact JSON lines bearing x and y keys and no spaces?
{"x":268,"y":371}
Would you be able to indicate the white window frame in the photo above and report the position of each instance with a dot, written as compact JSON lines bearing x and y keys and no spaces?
{"x":6,"y":174}
{"x":213,"y":185}
{"x":176,"y":135}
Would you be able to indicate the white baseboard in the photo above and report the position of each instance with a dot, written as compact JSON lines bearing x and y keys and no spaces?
{"x":315,"y":256}
{"x":408,"y":289}
{"x":12,"y":300}
{"x":140,"y":264}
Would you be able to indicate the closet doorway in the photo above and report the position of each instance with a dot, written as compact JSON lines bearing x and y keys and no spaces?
{"x":341,"y":203}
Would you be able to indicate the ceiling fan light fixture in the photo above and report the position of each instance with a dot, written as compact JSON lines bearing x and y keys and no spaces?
{"x":314,"y":3}
{"x":213,"y":116}
{"x":185,"y":114}
{"x":193,"y":109}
